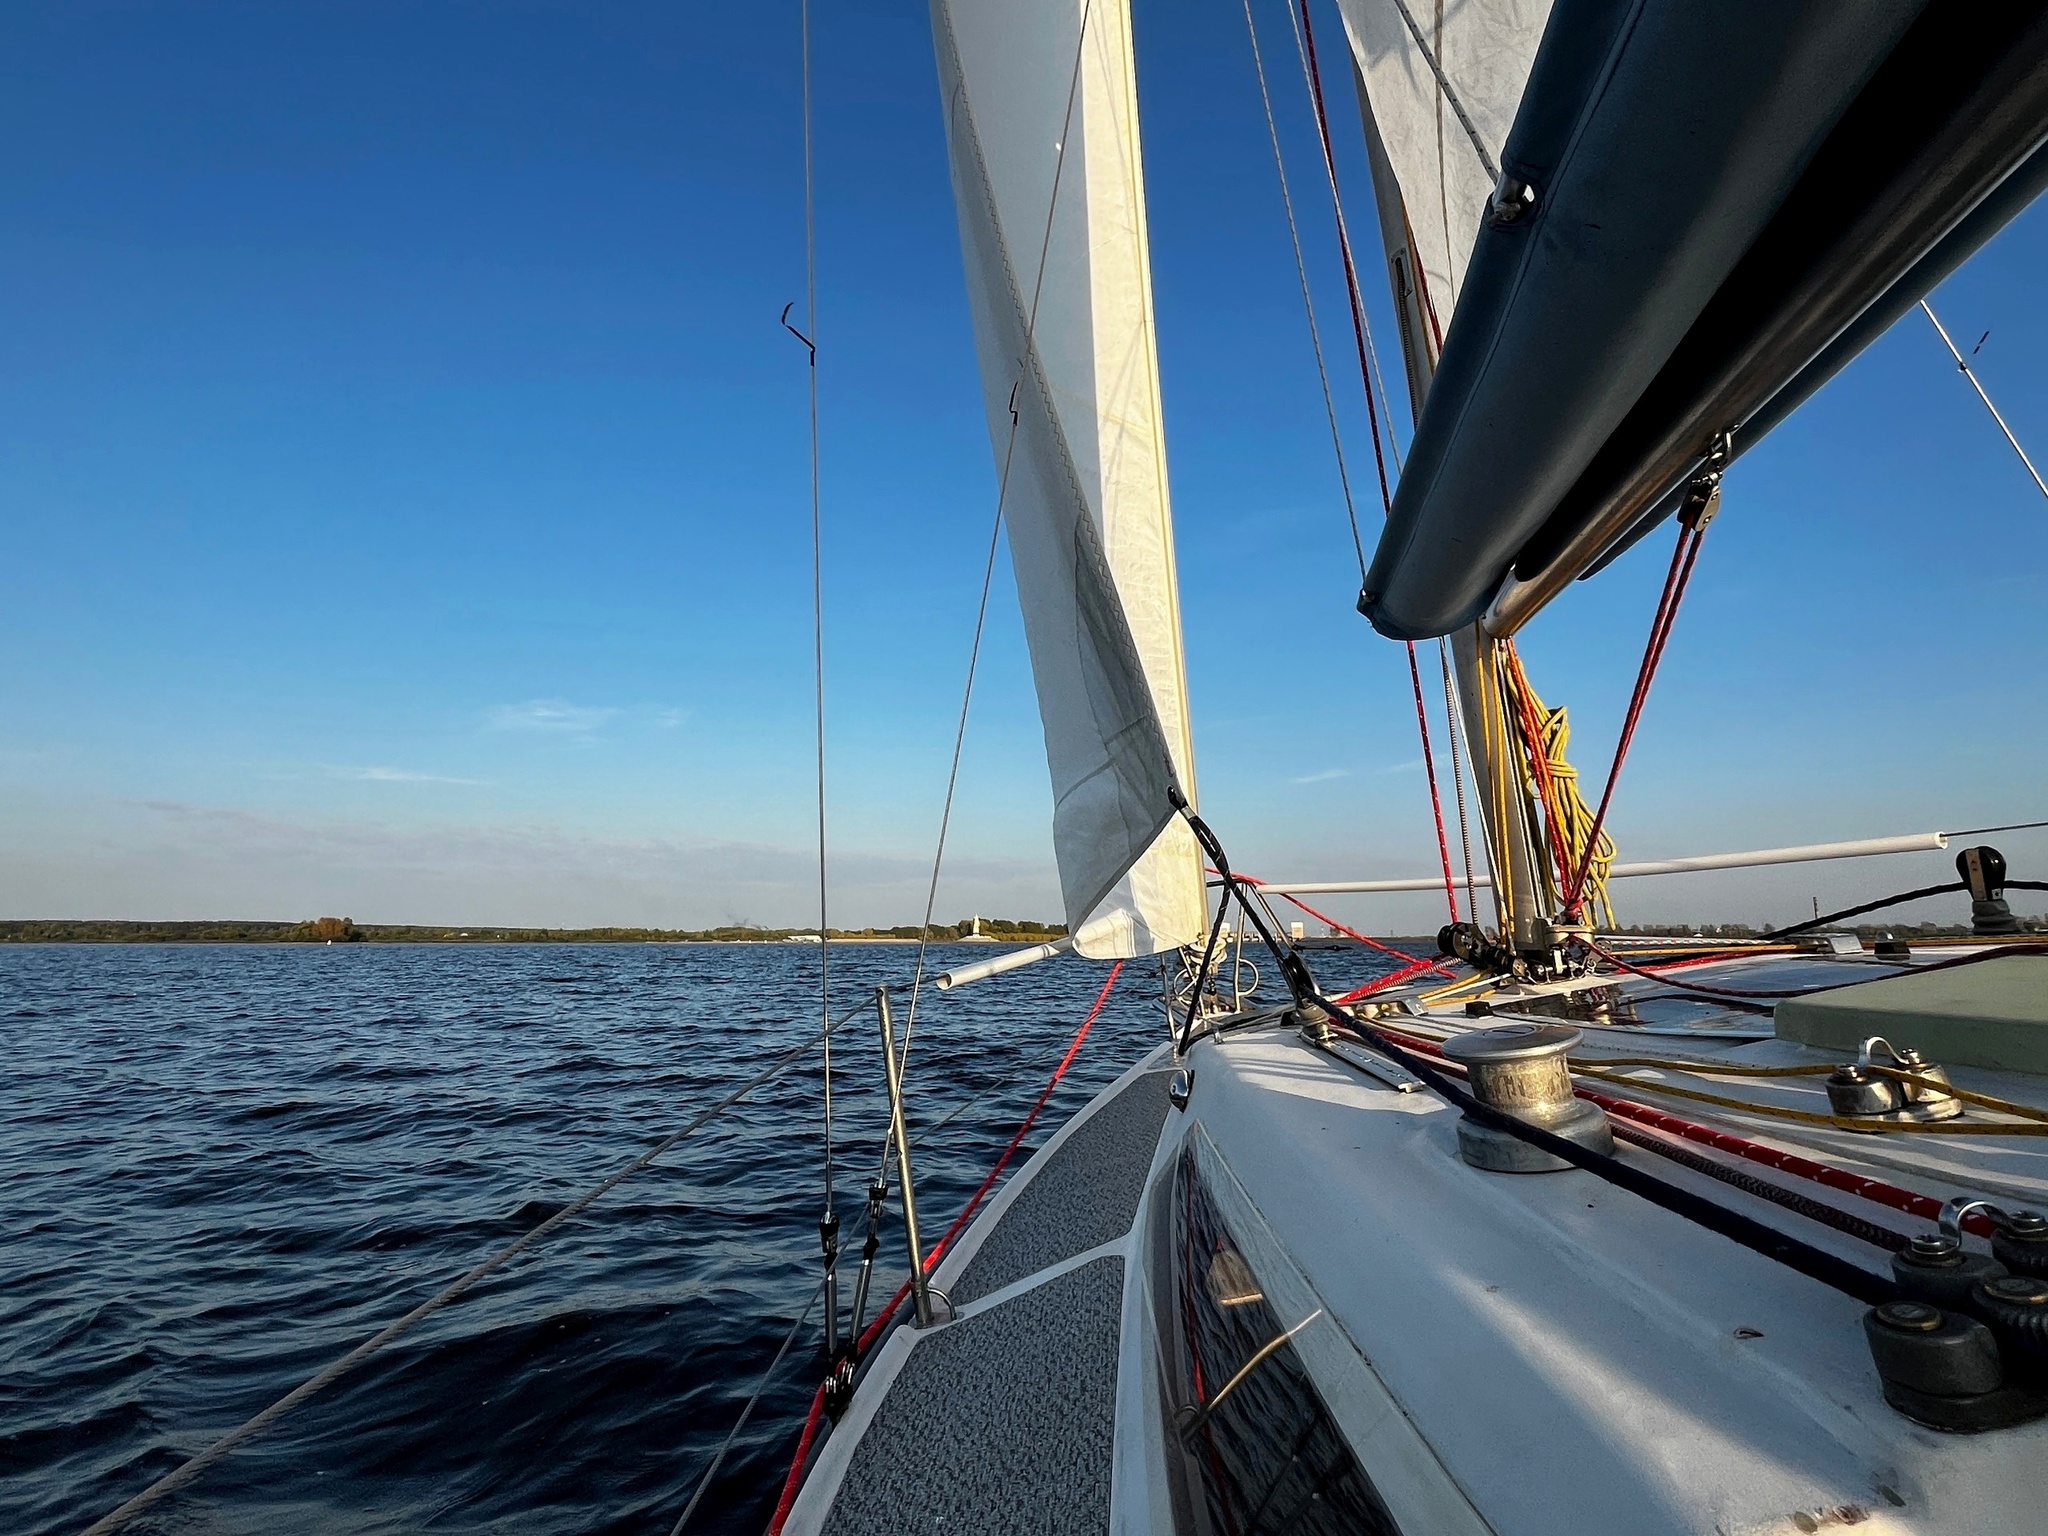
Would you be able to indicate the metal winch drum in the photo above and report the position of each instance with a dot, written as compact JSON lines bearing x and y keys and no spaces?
{"x":1520,"y":1070}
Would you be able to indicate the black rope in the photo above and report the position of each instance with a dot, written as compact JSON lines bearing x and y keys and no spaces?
{"x":1815,"y":1263}
{"x":1885,"y":901}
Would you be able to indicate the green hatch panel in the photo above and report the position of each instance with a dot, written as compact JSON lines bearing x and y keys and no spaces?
{"x":1990,"y":1014}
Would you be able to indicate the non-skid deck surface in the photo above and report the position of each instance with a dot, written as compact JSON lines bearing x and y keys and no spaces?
{"x":1086,"y":1193}
{"x":1001,"y":1422}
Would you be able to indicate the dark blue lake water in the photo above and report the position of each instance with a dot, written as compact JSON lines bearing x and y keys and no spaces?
{"x":224,"y":1166}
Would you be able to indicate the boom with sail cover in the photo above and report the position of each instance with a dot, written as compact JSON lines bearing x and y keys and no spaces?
{"x":1703,"y":210}
{"x":1041,"y":123}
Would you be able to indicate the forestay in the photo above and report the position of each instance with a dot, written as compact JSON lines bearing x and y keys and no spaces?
{"x":1042,"y":128}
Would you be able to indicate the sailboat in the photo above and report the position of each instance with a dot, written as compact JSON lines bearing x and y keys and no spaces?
{"x":1554,"y":1230}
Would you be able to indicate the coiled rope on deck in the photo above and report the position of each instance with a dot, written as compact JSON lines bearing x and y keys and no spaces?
{"x":182,"y":1476}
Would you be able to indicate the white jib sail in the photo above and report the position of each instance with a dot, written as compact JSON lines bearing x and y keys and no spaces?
{"x":1483,"y":50}
{"x":1043,"y":130}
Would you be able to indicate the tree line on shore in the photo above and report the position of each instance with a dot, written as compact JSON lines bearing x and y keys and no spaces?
{"x":344,"y":930}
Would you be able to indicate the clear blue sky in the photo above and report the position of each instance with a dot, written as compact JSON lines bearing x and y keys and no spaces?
{"x":403,"y":487}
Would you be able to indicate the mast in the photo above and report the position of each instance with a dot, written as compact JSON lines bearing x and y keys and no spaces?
{"x":1504,"y":809}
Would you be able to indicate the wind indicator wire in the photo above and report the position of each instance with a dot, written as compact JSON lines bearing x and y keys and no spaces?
{"x":810,"y":341}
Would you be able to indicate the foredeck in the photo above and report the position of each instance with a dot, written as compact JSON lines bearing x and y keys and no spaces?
{"x":1005,"y":1419}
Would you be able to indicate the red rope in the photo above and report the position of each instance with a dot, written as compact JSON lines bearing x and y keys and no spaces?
{"x":1355,"y":298}
{"x":1351,"y":288}
{"x":1436,"y":804}
{"x":796,"y":1466}
{"x":1676,"y":579}
{"x":1415,"y":967}
{"x":931,"y":1259}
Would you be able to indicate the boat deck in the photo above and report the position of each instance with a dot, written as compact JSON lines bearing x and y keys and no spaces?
{"x":1005,"y":1418}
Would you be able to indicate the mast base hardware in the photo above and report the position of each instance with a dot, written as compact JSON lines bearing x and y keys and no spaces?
{"x":1473,"y":945}
{"x":1983,"y":871}
{"x":1179,"y":1087}
{"x":1520,"y":1070}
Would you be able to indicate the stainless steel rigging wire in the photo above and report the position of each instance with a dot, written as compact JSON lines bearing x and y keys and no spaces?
{"x":817,"y":587}
{"x":1971,"y":374}
{"x":1315,"y":333}
{"x":746,"y":1413}
{"x":1372,"y":350}
{"x":179,"y":1477}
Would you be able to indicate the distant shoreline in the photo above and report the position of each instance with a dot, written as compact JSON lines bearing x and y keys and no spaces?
{"x":346,"y":931}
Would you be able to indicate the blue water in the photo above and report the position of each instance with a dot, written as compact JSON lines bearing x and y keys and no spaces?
{"x":225,"y":1166}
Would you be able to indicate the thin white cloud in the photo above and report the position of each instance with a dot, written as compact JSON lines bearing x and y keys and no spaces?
{"x":1410,"y":766}
{"x":550,"y":715}
{"x":399,"y":776}
{"x":1324,"y":777}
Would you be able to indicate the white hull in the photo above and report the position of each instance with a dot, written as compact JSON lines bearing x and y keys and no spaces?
{"x":1530,"y":1355}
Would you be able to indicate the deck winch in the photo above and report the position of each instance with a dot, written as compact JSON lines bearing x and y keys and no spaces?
{"x":1520,"y":1070}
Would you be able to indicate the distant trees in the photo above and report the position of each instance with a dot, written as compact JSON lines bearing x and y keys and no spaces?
{"x":329,"y":930}
{"x":345,"y":930}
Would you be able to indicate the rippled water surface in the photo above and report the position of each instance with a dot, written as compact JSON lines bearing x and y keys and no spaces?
{"x":226,"y":1165}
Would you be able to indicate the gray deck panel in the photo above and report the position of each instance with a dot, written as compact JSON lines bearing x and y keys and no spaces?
{"x":1003,"y":1423}
{"x":1086,"y":1194}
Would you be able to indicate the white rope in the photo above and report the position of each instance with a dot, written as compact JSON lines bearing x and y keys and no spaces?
{"x":1444,"y":84}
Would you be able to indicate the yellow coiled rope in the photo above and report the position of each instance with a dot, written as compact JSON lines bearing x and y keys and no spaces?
{"x":1543,"y":736}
